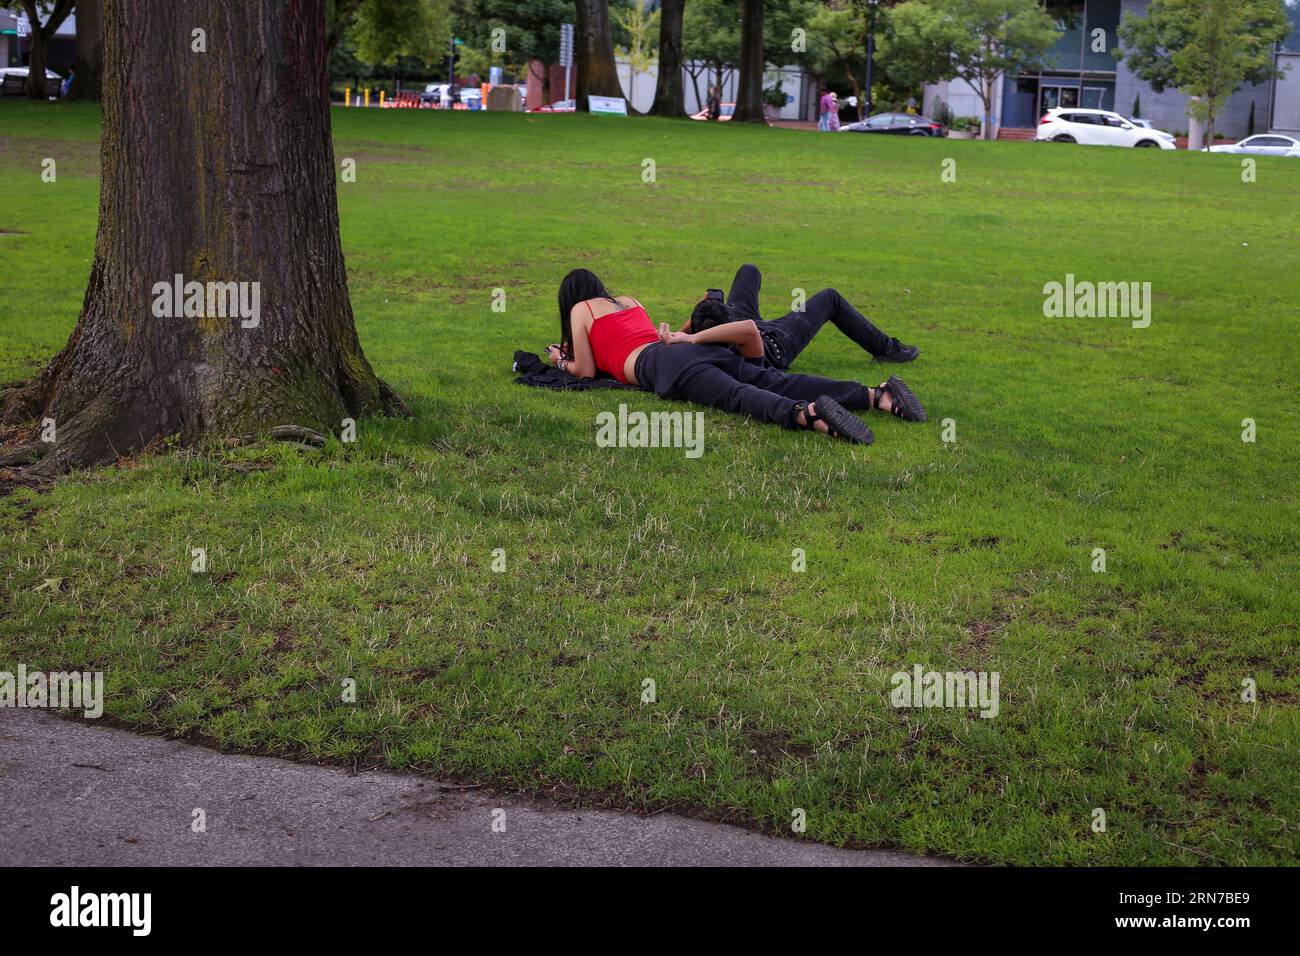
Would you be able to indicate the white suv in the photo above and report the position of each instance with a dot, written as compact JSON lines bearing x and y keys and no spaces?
{"x":1098,"y":128}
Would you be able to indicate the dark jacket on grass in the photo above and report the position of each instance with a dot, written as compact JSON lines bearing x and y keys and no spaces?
{"x":533,"y":371}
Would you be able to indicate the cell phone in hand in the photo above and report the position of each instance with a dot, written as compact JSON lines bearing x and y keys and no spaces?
{"x":714,"y":294}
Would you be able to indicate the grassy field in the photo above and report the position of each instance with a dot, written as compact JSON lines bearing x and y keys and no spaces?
{"x":372,"y":561}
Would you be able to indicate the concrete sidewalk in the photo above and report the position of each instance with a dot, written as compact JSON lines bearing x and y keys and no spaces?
{"x":73,"y":793}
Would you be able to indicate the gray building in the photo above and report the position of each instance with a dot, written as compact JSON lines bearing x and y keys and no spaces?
{"x":14,"y":45}
{"x":1081,"y":71}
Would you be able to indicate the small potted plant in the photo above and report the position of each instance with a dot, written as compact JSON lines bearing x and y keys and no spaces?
{"x":963,"y":127}
{"x":774,"y":100}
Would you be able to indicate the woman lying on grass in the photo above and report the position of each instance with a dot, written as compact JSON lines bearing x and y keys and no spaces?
{"x":717,"y":367}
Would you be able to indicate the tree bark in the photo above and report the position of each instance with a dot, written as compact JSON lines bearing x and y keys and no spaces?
{"x":35,"y":88}
{"x":749,"y":86}
{"x":89,"y":81}
{"x":670,"y":98}
{"x":218,"y":167}
{"x":594,"y":53}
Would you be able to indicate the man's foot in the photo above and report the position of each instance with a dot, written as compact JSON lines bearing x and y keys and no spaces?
{"x":898,"y":352}
{"x":829,"y":416}
{"x":894,"y":397}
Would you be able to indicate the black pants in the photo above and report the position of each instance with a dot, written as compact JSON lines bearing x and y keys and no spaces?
{"x":789,"y":335}
{"x":714,"y":375}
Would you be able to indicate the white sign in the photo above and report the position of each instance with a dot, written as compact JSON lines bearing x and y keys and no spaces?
{"x":612,"y":105}
{"x":566,"y":44}
{"x":24,"y":25}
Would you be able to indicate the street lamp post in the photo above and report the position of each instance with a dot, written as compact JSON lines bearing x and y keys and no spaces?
{"x":871,"y":49}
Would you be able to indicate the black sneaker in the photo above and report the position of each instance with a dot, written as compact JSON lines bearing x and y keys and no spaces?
{"x":898,"y":352}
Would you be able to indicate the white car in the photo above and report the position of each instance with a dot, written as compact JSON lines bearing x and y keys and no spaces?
{"x":1265,"y":144}
{"x":14,"y":78}
{"x":1098,"y":128}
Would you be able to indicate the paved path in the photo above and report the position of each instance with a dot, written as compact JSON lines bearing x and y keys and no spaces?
{"x":86,"y":794}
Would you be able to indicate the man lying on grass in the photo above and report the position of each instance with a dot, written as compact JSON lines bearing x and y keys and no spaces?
{"x":789,"y":335}
{"x":720,"y":366}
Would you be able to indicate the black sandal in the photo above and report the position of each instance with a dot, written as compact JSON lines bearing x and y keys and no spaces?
{"x":905,"y":405}
{"x":841,"y":422}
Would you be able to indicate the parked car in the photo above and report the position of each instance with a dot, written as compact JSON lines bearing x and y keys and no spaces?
{"x":1264,"y":144}
{"x":432,"y":93}
{"x":900,"y":124}
{"x":14,"y":78}
{"x":725,"y":113}
{"x":1098,"y":128}
{"x":559,"y":106}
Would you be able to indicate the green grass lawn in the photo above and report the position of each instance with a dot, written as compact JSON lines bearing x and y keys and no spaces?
{"x":1119,"y":690}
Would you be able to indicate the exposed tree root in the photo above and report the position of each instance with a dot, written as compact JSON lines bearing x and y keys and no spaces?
{"x":307,"y":436}
{"x":393,"y":403}
{"x":85,"y":441}
{"x":22,"y":454}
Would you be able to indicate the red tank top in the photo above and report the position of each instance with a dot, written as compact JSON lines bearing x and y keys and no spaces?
{"x":617,"y":335}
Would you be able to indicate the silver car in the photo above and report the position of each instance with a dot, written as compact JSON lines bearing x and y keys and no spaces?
{"x":13,"y":79}
{"x":1264,"y":144}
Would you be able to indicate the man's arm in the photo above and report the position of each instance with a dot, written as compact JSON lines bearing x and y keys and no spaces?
{"x":743,"y":334}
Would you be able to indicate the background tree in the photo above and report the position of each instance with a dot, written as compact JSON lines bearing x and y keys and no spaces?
{"x":339,"y":16}
{"x":532,"y":32}
{"x":710,"y":42}
{"x":837,"y":53}
{"x":385,"y":30}
{"x":670,"y":98}
{"x":221,"y":169}
{"x":837,"y":46}
{"x":593,"y":53}
{"x":1206,"y":49}
{"x":978,"y":41}
{"x":780,"y":20}
{"x":639,"y":24}
{"x":45,"y":17}
{"x":90,"y":50}
{"x":749,"y":83}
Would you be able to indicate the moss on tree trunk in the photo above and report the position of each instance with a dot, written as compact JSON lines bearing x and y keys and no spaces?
{"x":217,"y":166}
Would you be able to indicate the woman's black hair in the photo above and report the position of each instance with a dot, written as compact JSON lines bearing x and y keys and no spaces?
{"x":578,"y":286}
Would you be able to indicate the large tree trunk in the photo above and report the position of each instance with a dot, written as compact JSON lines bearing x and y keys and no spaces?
{"x":594,"y":53}
{"x":89,"y":82}
{"x":749,"y":86}
{"x":217,"y":167}
{"x":35,"y":88}
{"x":670,"y":99}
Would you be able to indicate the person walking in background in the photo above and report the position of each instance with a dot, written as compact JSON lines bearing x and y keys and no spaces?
{"x":833,"y":120}
{"x":715,"y":103}
{"x":824,"y":112}
{"x":65,"y":88}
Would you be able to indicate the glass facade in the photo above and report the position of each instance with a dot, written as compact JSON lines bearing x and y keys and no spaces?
{"x":1079,"y":69}
{"x":1292,"y":43}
